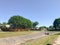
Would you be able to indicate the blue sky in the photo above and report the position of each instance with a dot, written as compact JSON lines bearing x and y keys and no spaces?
{"x":43,"y":11}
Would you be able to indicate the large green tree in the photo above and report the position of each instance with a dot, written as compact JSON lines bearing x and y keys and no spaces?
{"x":20,"y":22}
{"x":56,"y":23}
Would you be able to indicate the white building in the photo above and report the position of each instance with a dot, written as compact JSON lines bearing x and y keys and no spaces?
{"x":7,"y":26}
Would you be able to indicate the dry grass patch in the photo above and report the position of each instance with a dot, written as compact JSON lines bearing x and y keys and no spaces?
{"x":43,"y":41}
{"x":9,"y":34}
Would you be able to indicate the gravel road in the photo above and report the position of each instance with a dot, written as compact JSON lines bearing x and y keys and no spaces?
{"x":19,"y":40}
{"x":57,"y":42}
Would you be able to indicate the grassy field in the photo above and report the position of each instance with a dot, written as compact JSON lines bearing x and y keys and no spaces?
{"x":42,"y":41}
{"x":9,"y":34}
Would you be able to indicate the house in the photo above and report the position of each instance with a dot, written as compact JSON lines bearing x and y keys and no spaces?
{"x":36,"y":28}
{"x":7,"y":26}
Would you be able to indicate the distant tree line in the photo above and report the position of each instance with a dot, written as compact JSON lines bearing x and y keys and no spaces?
{"x":19,"y":22}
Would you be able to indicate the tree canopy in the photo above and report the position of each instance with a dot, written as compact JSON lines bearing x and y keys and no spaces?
{"x":43,"y":27}
{"x":20,"y":22}
{"x":56,"y":23}
{"x":35,"y":24}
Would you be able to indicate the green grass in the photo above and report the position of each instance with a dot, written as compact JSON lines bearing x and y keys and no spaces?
{"x":43,"y":41}
{"x":9,"y":34}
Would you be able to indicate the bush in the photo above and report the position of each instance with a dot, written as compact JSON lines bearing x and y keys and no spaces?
{"x":49,"y":44}
{"x":15,"y":29}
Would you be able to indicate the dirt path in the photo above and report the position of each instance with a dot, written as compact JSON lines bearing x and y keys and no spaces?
{"x":57,"y":42}
{"x":18,"y":40}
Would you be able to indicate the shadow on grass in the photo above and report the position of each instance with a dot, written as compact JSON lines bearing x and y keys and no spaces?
{"x":57,"y":34}
{"x":49,"y":44}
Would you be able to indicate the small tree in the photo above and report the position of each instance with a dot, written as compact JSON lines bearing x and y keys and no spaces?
{"x":35,"y":24}
{"x":51,"y":28}
{"x":42,"y":27}
{"x":4,"y":24}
